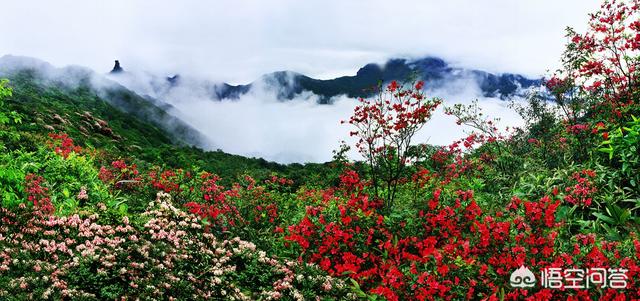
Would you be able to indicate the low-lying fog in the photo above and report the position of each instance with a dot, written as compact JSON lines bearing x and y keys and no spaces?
{"x":258,"y":124}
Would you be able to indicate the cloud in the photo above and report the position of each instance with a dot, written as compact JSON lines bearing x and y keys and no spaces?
{"x":237,"y":41}
{"x":259,"y":124}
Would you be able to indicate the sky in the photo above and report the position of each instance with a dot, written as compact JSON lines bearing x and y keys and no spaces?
{"x":238,"y":40}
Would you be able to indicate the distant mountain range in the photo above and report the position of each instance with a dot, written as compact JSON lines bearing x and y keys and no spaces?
{"x":436,"y":72}
{"x":159,"y":106}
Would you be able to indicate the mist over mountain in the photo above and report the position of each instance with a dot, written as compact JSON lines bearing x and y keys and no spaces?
{"x":289,"y":117}
{"x":289,"y":84}
{"x":283,"y":116}
{"x":436,"y":72}
{"x":74,"y":78}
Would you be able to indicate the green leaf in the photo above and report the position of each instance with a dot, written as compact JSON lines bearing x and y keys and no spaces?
{"x":123,"y":208}
{"x":604,"y":218}
{"x":611,"y":233}
{"x":625,"y":215}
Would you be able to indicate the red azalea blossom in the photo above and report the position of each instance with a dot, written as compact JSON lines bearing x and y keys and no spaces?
{"x":63,"y":145}
{"x":37,"y":194}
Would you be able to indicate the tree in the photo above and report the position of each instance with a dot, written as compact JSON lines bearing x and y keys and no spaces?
{"x":600,"y":67}
{"x":385,"y":126}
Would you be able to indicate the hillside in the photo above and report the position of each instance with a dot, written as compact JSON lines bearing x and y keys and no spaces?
{"x":116,"y":121}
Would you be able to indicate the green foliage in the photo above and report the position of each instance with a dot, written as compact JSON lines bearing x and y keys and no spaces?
{"x":38,"y":108}
{"x":623,"y":150}
{"x":64,"y":178}
{"x":4,"y":90}
{"x":12,"y":185}
{"x":7,"y":117}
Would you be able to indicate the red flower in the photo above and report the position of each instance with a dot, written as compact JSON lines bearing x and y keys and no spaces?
{"x":63,"y":145}
{"x":393,"y":86}
{"x":37,"y":194}
{"x":386,"y":292}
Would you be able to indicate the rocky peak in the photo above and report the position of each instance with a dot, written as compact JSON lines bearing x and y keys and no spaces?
{"x":117,"y":68}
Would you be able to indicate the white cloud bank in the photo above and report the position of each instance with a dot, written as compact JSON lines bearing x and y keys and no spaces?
{"x":298,"y":130}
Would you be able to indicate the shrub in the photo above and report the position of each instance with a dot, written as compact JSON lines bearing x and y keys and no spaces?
{"x":385,"y":126}
{"x":168,"y":256}
{"x":623,"y":148}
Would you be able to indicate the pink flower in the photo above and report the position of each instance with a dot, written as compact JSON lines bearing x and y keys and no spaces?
{"x":82,"y":195}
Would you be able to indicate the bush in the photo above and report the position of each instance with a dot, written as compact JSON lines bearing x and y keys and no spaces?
{"x":623,"y":150}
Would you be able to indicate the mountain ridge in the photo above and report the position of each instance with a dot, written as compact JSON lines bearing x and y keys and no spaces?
{"x":143,"y":107}
{"x":435,"y":71}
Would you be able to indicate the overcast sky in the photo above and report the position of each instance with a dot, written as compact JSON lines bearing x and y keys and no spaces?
{"x":236,"y":41}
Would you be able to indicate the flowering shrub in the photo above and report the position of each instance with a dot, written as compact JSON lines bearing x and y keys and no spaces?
{"x":452,"y":250}
{"x":582,"y":191}
{"x":275,"y":180}
{"x":599,"y":73}
{"x":246,"y":208}
{"x":472,"y":116}
{"x":449,"y":162}
{"x":63,"y":145}
{"x":167,"y":257}
{"x":37,"y":195}
{"x":385,"y":126}
{"x":120,"y":175}
{"x":217,"y":210}
{"x":168,"y":180}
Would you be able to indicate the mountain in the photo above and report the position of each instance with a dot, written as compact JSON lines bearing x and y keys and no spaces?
{"x":436,"y":72}
{"x":116,"y":68}
{"x":105,"y":115}
{"x":287,"y":85}
{"x":24,"y":70}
